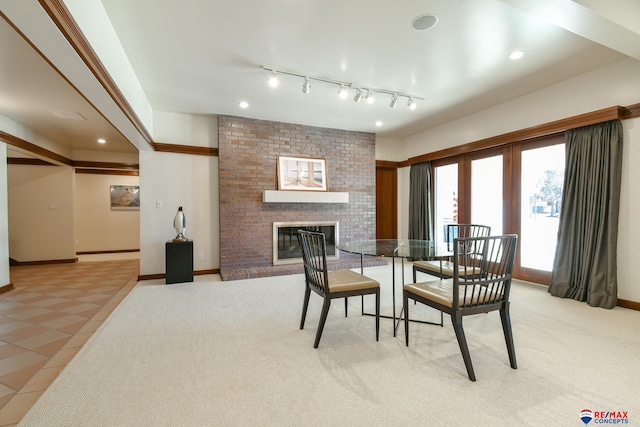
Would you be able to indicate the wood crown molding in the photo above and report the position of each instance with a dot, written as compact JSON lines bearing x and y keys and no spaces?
{"x":69,"y":28}
{"x":108,"y":172}
{"x":105,"y":165}
{"x":387,"y":164}
{"x":27,"y":161}
{"x":632,"y":111}
{"x":32,"y":148}
{"x":546,"y":129}
{"x":184,"y":149}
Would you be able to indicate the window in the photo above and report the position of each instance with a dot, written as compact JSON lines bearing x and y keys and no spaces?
{"x":541,"y":181}
{"x":446,"y":181}
{"x":486,"y":193}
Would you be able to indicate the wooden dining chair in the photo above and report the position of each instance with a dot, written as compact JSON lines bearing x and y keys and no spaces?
{"x":443,"y":266}
{"x":468,"y":294}
{"x":330,"y":284}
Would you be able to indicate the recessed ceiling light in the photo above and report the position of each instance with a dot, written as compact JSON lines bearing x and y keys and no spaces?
{"x":378,"y":123}
{"x":102,"y":141}
{"x":243,"y":104}
{"x":424,"y":22}
{"x":516,"y":54}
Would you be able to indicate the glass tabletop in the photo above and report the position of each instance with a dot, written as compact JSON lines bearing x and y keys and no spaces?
{"x":405,"y":248}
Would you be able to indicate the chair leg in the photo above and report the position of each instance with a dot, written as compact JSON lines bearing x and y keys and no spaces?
{"x":305,"y":304}
{"x":405,"y":307}
{"x":508,"y":336}
{"x":346,"y":307}
{"x":323,"y":319}
{"x":414,"y":275}
{"x":456,"y":319}
{"x":377,"y":314}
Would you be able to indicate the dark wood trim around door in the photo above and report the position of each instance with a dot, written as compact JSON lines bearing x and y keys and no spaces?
{"x":386,"y":201}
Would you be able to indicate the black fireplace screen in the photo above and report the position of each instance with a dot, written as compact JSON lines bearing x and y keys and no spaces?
{"x":289,"y":248}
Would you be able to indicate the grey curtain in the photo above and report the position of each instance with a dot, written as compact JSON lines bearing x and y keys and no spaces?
{"x":585,"y":266}
{"x":421,"y":204}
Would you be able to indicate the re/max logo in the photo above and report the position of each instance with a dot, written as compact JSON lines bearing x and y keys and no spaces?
{"x":614,"y":414}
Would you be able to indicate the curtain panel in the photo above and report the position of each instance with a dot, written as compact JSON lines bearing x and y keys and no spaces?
{"x":421,"y":204}
{"x":585,"y":264}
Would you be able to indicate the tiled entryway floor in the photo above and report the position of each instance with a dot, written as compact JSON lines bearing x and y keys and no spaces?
{"x":53,"y":310}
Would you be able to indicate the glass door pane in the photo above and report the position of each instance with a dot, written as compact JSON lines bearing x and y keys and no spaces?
{"x":486,"y":193}
{"x":542,"y":179}
{"x":446,"y":198}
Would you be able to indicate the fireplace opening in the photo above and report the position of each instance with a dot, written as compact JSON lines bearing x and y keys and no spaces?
{"x":287,"y":250}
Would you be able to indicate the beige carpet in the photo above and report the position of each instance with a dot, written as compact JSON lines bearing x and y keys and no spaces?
{"x":216,"y":353}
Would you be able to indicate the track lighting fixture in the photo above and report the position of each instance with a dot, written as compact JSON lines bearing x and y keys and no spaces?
{"x":369,"y":97}
{"x":342,"y":92}
{"x":344,"y":87}
{"x":358,"y":96}
{"x":306,"y":86}
{"x":273,"y":79}
{"x":394,"y":101}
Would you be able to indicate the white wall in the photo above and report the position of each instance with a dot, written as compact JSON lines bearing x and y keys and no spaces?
{"x":168,"y":181}
{"x":388,"y":149}
{"x":4,"y":223}
{"x":172,"y":180}
{"x":616,"y":84}
{"x":184,"y":129}
{"x":97,"y":226}
{"x":40,"y":206}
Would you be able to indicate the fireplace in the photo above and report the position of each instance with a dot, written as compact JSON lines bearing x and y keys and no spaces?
{"x":286,"y":249}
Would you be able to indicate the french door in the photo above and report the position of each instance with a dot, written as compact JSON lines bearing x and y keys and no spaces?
{"x":513,"y":189}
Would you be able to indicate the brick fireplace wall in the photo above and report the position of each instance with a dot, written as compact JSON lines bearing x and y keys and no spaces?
{"x":248,"y":152}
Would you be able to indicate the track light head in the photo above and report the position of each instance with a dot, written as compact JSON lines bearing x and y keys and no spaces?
{"x":394,"y":101}
{"x":411,"y":104}
{"x":306,"y":86}
{"x":358,"y":96}
{"x":342,"y":92}
{"x":273,"y":79}
{"x":369,"y":97}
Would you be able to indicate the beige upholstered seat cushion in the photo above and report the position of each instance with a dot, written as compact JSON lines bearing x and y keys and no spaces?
{"x":347,"y":280}
{"x":447,"y":267}
{"x":441,"y":291}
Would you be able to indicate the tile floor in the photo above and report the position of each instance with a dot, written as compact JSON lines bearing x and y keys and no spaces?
{"x":53,"y":310}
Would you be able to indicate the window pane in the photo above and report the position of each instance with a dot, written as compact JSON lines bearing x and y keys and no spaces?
{"x":486,"y":193}
{"x":446,"y":198}
{"x":542,"y":180}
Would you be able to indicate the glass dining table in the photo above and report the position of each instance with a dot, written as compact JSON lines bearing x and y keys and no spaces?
{"x":394,"y":249}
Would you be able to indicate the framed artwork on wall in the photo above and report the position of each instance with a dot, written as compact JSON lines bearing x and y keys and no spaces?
{"x":302,"y":174}
{"x":125,"y":197}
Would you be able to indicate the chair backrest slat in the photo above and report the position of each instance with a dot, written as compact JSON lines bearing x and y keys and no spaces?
{"x":455,"y":231}
{"x":483,"y":269}
{"x":314,"y":257}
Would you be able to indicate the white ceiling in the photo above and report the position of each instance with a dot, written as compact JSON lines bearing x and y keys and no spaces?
{"x":204,"y":57}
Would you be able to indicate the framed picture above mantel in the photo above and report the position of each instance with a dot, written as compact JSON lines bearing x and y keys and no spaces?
{"x":302,"y":174}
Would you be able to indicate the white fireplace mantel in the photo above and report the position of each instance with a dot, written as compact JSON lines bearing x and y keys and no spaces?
{"x":275,"y":196}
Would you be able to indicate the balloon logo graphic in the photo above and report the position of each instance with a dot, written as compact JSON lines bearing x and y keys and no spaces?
{"x":586,"y":416}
